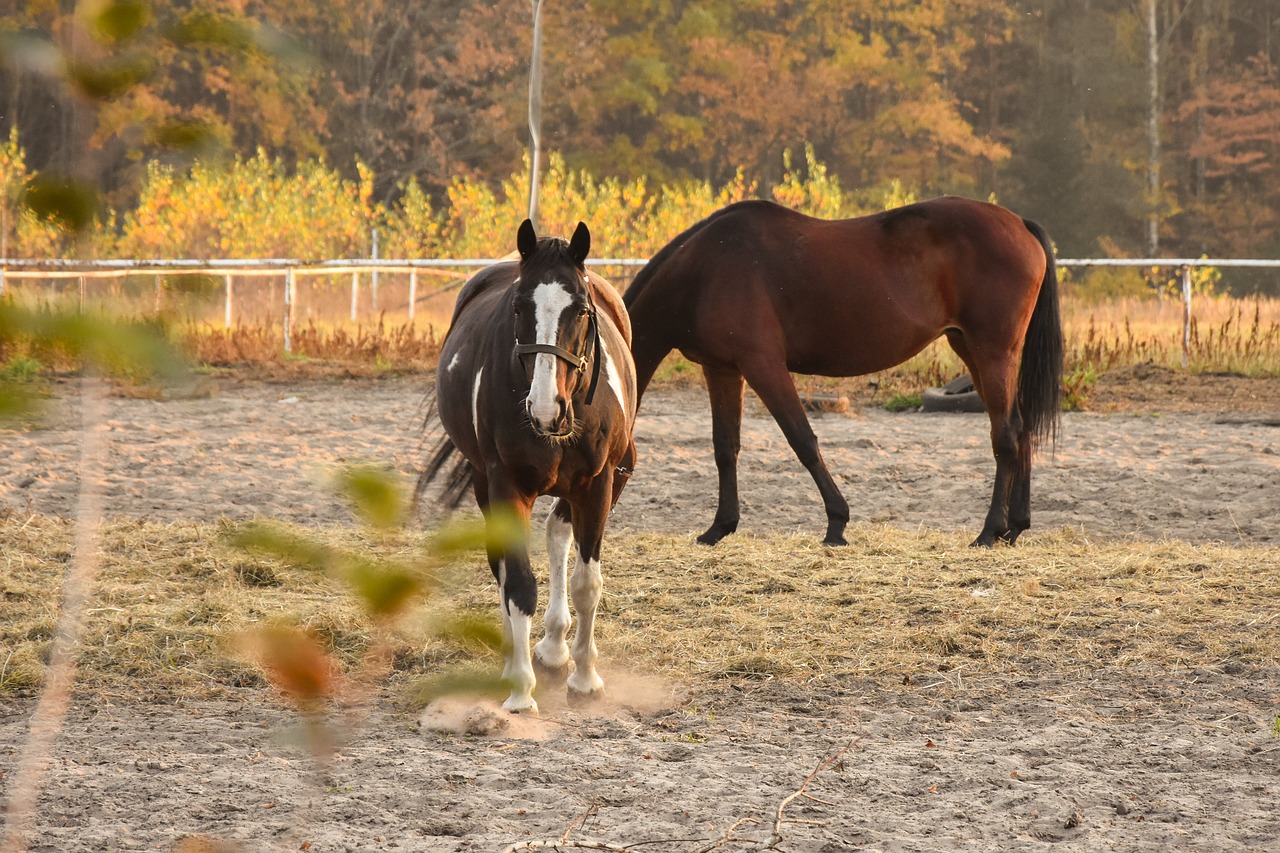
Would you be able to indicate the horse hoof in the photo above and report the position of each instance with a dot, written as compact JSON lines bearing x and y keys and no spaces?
{"x":579,"y":699}
{"x":520,"y":705}
{"x":548,"y":674}
{"x":984,"y":540}
{"x":835,"y":541}
{"x":715,"y":533}
{"x":990,"y":540}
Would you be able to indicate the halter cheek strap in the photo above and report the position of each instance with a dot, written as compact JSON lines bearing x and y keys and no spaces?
{"x":576,"y":360}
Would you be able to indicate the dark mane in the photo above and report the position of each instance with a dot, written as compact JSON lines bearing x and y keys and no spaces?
{"x":650,"y":269}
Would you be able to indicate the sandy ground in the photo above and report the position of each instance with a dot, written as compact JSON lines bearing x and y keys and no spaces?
{"x":1127,"y":761}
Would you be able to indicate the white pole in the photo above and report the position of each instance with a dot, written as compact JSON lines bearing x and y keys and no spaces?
{"x":375,"y":272}
{"x":226,"y":312}
{"x":413,"y":291}
{"x":288,"y":309}
{"x":1186,"y":316}
{"x":535,"y":111}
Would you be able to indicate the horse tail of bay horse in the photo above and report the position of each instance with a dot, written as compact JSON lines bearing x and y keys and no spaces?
{"x":1040,"y":376}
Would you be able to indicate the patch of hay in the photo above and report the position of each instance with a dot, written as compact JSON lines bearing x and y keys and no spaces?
{"x":893,"y":605}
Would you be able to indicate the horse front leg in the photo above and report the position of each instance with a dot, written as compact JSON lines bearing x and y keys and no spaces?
{"x":586,"y":585}
{"x":517,"y":599}
{"x":777,"y":390}
{"x":725,"y":388}
{"x":551,"y":654}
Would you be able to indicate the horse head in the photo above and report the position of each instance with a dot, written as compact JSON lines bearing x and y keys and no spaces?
{"x":557,"y":337}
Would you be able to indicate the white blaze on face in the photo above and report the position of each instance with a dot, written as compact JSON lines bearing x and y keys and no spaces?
{"x":550,"y":299}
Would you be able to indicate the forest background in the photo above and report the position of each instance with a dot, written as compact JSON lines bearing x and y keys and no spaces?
{"x":233,"y":128}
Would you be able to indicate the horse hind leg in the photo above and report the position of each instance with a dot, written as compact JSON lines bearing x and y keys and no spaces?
{"x":725,"y":389}
{"x":584,"y":684}
{"x":993,"y":379}
{"x":551,"y":654}
{"x":1020,"y":490}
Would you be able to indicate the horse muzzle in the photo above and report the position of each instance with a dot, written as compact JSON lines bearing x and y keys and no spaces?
{"x":551,"y":421}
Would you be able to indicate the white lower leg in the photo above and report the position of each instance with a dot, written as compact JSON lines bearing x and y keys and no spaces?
{"x":506,"y":621}
{"x":587,"y":584}
{"x":552,"y":651}
{"x":519,"y":669}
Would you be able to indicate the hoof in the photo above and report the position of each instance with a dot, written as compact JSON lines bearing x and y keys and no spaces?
{"x":520,"y":705}
{"x":988,"y":539}
{"x":579,"y":699}
{"x":835,"y":541}
{"x":715,"y":533}
{"x":551,"y":675}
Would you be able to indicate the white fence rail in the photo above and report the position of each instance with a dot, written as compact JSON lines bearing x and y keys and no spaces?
{"x":17,"y":270}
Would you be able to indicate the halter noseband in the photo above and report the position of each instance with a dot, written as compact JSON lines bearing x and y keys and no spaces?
{"x":576,"y":360}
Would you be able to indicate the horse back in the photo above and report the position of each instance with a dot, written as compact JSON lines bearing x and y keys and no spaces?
{"x":757,"y":276}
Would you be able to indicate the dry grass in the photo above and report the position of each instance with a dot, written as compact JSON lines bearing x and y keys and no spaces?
{"x":171,"y":599}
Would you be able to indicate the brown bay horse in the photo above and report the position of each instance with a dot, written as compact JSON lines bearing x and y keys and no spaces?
{"x":756,"y":292}
{"x":536,"y":392}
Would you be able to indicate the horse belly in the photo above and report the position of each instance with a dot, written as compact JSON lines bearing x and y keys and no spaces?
{"x":865,"y":339}
{"x":457,"y":389}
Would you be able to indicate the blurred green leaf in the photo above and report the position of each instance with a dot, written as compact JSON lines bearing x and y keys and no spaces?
{"x":188,"y":137}
{"x":199,"y":28}
{"x":103,"y":81}
{"x":375,"y":494}
{"x":116,"y":20}
{"x":466,"y":627}
{"x":274,"y":540}
{"x":475,"y":682}
{"x":71,"y":204}
{"x":137,"y":349}
{"x":17,"y":400}
{"x":502,"y":530}
{"x":385,"y":590}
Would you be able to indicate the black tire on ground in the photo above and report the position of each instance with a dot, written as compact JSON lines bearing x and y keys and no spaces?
{"x":956,"y":396}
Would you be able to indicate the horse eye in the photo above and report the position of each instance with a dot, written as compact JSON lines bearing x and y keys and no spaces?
{"x":582,"y":312}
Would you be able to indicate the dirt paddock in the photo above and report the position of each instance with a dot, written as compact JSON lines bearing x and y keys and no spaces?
{"x":1125,"y":758}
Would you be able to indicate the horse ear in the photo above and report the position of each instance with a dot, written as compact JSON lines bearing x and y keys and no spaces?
{"x":580,"y":244}
{"x":526,"y":240}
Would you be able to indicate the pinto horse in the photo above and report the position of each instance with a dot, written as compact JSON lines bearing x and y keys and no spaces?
{"x":536,"y":391}
{"x":756,"y":291}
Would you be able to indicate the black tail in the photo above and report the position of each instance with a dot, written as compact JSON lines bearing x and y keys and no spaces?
{"x":1040,"y":376}
{"x":458,"y":481}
